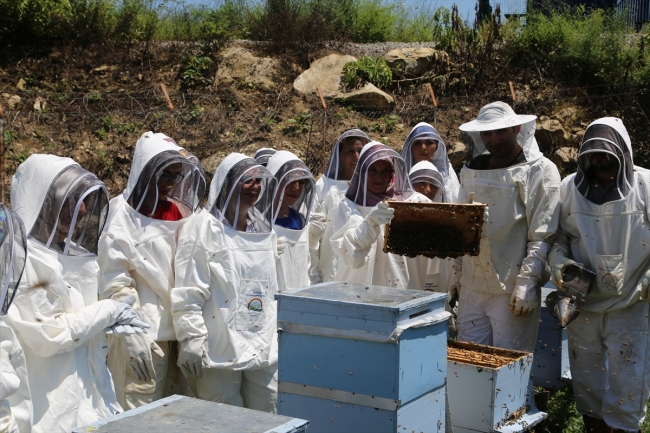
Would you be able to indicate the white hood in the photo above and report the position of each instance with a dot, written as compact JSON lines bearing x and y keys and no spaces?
{"x":279,"y":159}
{"x":30,"y":185}
{"x":220,"y":177}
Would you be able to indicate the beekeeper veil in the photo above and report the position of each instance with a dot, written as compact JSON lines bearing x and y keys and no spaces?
{"x":263,"y":155}
{"x":13,"y":253}
{"x":334,"y":167}
{"x":399,"y":187}
{"x":241,"y":184}
{"x":425,"y":171}
{"x":157,"y":158}
{"x":499,"y":115}
{"x":288,"y":168}
{"x":607,"y":136}
{"x":424,"y":131}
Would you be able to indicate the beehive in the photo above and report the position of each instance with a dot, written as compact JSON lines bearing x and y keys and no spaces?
{"x":362,"y":358}
{"x":188,"y":415}
{"x":551,"y":358}
{"x":488,"y":389}
{"x":434,"y":229}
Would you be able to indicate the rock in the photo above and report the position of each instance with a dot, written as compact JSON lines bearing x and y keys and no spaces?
{"x":13,"y":102}
{"x":22,"y":85}
{"x":457,"y":152}
{"x":240,"y":66}
{"x":368,"y":98}
{"x":566,"y":115}
{"x":551,"y":134}
{"x":566,"y":159}
{"x":39,"y":104}
{"x":414,"y":62}
{"x":326,"y":73}
{"x":210,"y":164}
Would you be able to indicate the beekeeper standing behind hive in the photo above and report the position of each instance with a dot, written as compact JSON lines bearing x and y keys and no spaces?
{"x":292,"y":203}
{"x":15,"y":396}
{"x":358,"y":239}
{"x":136,"y":257}
{"x":605,"y":226}
{"x":425,"y":144}
{"x":499,"y":290}
{"x":226,"y":278}
{"x":330,"y":190}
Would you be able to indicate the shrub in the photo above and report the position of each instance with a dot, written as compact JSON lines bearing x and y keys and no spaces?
{"x":367,"y":69}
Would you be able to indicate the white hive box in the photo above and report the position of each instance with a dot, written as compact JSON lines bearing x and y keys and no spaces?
{"x":487,"y":389}
{"x":180,"y":414}
{"x":356,"y":358}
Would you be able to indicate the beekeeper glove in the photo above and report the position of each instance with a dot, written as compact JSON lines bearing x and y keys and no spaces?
{"x":280,"y":247}
{"x":128,"y":321}
{"x":558,"y":262}
{"x":140,"y":348}
{"x":316,"y":230}
{"x":524,"y":298}
{"x":192,"y":357}
{"x":9,"y":382}
{"x":366,"y":233}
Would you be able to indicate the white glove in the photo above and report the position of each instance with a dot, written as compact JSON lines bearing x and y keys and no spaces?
{"x":192,"y":357}
{"x":380,"y":214}
{"x":558,"y":262}
{"x":128,"y":320}
{"x":645,"y":287}
{"x":280,"y":247}
{"x":453,"y":277}
{"x":9,"y":382}
{"x":140,"y":348}
{"x":524,"y":298}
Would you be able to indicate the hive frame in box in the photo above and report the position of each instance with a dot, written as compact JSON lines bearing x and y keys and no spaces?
{"x":463,"y":220}
{"x":489,"y":400}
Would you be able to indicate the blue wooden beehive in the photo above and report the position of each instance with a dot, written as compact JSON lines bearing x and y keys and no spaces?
{"x":551,"y":359}
{"x":355,"y":358}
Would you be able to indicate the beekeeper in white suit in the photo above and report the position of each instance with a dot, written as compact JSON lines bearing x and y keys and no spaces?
{"x":358,"y":238}
{"x":223,"y":303}
{"x":330,"y":190}
{"x":136,"y":256}
{"x":293,"y":199}
{"x":15,"y":396}
{"x":55,"y":313}
{"x":424,"y":143}
{"x":605,"y":226}
{"x":499,"y":289}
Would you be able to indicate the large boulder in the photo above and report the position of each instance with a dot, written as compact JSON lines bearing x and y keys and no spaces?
{"x":456,"y":152}
{"x":240,"y":66}
{"x":566,"y":160}
{"x":326,"y":73}
{"x":551,"y":134}
{"x":414,"y":62}
{"x":368,"y":98}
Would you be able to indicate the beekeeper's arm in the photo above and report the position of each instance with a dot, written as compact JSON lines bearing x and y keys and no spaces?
{"x":316,"y":228}
{"x":115,"y":259}
{"x":541,"y":196}
{"x":39,"y":315}
{"x":188,"y":297}
{"x":353,"y":240}
{"x":9,"y":384}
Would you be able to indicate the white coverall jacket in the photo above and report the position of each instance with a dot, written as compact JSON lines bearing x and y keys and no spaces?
{"x":522,"y":217}
{"x":136,"y":257}
{"x":15,"y":397}
{"x":57,"y":319}
{"x":609,"y":346}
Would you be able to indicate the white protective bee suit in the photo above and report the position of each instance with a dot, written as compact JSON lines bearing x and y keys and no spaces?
{"x":15,"y":396}
{"x":55,"y":313}
{"x":136,"y":257}
{"x":608,"y":231}
{"x":294,"y":261}
{"x":223,"y":304}
{"x":358,"y":239}
{"x":330,"y":190}
{"x":436,"y":269}
{"x":424,"y":131}
{"x":522,"y":217}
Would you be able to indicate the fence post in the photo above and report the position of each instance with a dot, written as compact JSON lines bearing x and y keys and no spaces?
{"x":435,"y":105}
{"x":170,"y":105}
{"x":512,"y":93}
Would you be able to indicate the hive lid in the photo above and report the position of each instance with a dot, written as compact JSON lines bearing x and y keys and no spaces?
{"x":364,"y":295}
{"x":434,"y":229}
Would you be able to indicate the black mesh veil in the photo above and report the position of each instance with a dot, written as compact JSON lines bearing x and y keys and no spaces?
{"x":295,"y":171}
{"x":13,"y":253}
{"x":73,"y":213}
{"x":263,"y":155}
{"x":228,"y":203}
{"x":189,"y":187}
